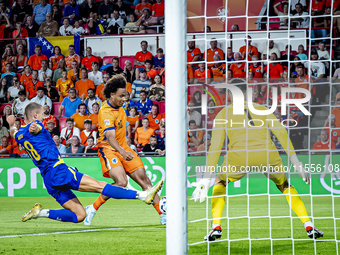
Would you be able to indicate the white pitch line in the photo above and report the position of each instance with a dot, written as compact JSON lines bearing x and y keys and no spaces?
{"x":62,"y":232}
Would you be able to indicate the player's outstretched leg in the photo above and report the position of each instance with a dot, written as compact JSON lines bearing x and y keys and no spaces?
{"x":299,"y":208}
{"x":217,"y":204}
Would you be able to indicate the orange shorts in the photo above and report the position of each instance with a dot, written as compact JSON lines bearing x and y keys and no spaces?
{"x":110,"y":158}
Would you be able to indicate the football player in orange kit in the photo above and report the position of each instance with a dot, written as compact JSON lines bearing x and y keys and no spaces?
{"x":117,"y":159}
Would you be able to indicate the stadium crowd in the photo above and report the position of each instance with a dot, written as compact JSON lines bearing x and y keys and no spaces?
{"x":70,"y":87}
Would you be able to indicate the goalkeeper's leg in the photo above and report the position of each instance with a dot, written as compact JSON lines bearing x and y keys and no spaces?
{"x":217,"y":204}
{"x":297,"y":205}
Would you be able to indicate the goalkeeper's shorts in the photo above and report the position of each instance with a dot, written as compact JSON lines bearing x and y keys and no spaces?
{"x":242,"y":162}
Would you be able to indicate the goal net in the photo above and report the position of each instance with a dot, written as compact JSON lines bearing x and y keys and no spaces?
{"x":276,"y":48}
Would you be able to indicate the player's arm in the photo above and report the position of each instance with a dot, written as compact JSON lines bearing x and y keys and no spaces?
{"x":111,"y":138}
{"x":12,"y":128}
{"x":282,"y":135}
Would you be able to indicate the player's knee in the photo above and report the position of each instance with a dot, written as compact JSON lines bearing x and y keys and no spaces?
{"x":81,"y":215}
{"x":283,"y":186}
{"x":121,"y":182}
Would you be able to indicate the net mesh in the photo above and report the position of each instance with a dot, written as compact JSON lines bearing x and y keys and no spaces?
{"x":256,"y":217}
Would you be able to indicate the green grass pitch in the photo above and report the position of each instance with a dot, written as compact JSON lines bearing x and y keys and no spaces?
{"x":131,"y":227}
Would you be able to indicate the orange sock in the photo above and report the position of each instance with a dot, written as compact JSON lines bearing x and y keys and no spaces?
{"x":157,"y":208}
{"x":99,"y":201}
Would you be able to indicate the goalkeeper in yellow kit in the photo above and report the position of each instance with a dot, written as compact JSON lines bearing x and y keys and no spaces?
{"x":250,"y":145}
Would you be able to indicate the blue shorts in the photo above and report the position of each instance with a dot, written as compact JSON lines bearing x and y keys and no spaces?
{"x":60,"y":180}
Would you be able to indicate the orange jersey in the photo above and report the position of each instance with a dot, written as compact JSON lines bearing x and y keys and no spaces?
{"x":201,"y":76}
{"x":256,"y":71}
{"x":54,"y":61}
{"x":154,"y":122}
{"x":275,"y":72}
{"x":24,"y":79}
{"x":69,"y":60}
{"x":190,"y":73}
{"x":151,"y":74}
{"x":324,"y":146}
{"x":79,"y":120}
{"x":110,"y":118}
{"x":334,"y":133}
{"x":158,"y":9}
{"x":94,"y":118}
{"x":87,"y":61}
{"x":99,"y":92}
{"x":83,"y":137}
{"x":238,"y":72}
{"x":71,"y":76}
{"x":140,"y":56}
{"x":304,"y":83}
{"x":192,"y":54}
{"x":218,"y":72}
{"x":209,"y":55}
{"x":4,"y":62}
{"x":8,"y":148}
{"x":35,"y":61}
{"x":336,"y":113}
{"x":32,"y":88}
{"x":64,"y":86}
{"x":142,"y":136}
{"x":83,"y":86}
{"x":132,"y":121}
{"x":250,"y":48}
{"x":140,"y":7}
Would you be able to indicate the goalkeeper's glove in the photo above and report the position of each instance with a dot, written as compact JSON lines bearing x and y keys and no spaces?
{"x":201,"y":191}
{"x":299,"y":167}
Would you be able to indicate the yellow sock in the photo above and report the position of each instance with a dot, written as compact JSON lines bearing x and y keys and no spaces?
{"x":296,"y":204}
{"x":217,"y":203}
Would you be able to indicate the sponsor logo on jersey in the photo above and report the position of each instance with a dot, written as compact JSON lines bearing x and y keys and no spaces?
{"x":106,"y":122}
{"x":114,"y":160}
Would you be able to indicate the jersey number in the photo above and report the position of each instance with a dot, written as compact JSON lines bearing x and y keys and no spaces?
{"x":31,"y":151}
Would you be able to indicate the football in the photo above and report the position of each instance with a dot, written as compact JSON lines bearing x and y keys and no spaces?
{"x":162,"y":205}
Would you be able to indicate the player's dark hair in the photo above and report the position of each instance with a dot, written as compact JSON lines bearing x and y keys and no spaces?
{"x":31,"y":108}
{"x":113,"y":84}
{"x":70,"y":119}
{"x":82,"y":104}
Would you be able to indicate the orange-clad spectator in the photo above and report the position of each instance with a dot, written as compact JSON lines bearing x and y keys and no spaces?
{"x":3,"y":27}
{"x":190,"y":74}
{"x":218,"y":70}
{"x":35,"y":60}
{"x":302,"y":81}
{"x":158,"y":9}
{"x":317,"y":5}
{"x":275,"y":69}
{"x":143,"y":134}
{"x":256,"y":98}
{"x":87,"y":61}
{"x":72,"y":57}
{"x":205,"y":145}
{"x":7,"y":57}
{"x":26,"y":77}
{"x":332,"y":131}
{"x":5,"y":147}
{"x":239,"y":69}
{"x":143,"y":55}
{"x":213,"y":51}
{"x":324,"y":143}
{"x":251,"y":81}
{"x":32,"y":86}
{"x":154,"y":118}
{"x":48,"y":117}
{"x":74,"y":74}
{"x":194,"y":137}
{"x":252,"y":50}
{"x":150,"y":73}
{"x":256,"y":68}
{"x":20,"y":59}
{"x":80,"y":116}
{"x":100,"y":87}
{"x":193,"y":54}
{"x":133,"y":119}
{"x":17,"y":148}
{"x":20,"y":32}
{"x":202,"y":75}
{"x":94,"y":116}
{"x":140,"y":7}
{"x":54,"y":60}
{"x":83,"y":85}
{"x":63,"y":85}
{"x":88,"y":131}
{"x":336,"y":111}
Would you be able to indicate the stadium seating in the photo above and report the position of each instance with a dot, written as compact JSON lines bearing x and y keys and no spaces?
{"x":62,"y":123}
{"x":108,"y":59}
{"x":161,"y":107}
{"x":122,"y":60}
{"x":55,"y":108}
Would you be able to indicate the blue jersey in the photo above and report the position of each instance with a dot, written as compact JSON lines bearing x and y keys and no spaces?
{"x":40,"y":147}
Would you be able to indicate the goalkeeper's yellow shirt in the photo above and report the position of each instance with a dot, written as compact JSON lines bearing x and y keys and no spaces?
{"x":246,"y":132}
